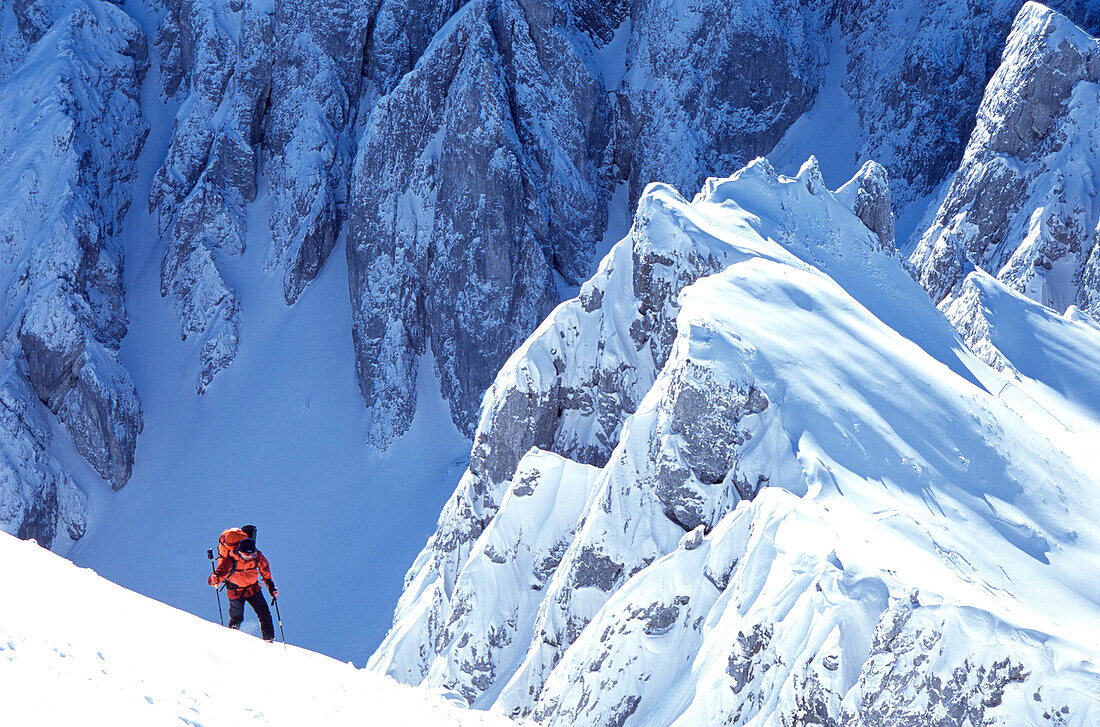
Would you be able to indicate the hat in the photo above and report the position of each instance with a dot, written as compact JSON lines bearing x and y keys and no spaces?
{"x":246,"y":546}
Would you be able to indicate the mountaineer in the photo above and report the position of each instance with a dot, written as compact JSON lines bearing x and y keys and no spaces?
{"x":241,"y":567}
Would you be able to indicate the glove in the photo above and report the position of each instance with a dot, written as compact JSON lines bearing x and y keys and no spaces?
{"x":212,"y":580}
{"x":271,"y":588}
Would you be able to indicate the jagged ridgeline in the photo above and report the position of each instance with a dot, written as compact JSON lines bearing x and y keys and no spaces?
{"x":472,"y":154}
{"x":787,"y":455}
{"x":751,"y":475}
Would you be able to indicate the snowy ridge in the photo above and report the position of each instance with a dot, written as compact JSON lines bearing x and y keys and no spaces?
{"x":88,"y":648}
{"x":567,"y":389}
{"x":722,"y":566}
{"x":1055,"y":359}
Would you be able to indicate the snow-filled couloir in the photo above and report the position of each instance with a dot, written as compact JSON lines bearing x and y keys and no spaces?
{"x":752,"y":475}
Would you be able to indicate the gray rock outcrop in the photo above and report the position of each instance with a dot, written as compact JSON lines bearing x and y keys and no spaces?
{"x":478,"y":179}
{"x":38,"y":499}
{"x":868,"y":195}
{"x":1022,"y":206}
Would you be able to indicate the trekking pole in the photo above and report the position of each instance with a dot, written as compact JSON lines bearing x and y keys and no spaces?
{"x":275,"y":603}
{"x":217,"y":593}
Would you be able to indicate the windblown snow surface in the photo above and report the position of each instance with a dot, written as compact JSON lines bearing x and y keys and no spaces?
{"x":83,"y":650}
{"x":821,"y":507}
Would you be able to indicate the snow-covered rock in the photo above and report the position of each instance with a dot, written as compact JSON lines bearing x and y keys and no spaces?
{"x":570,"y":387}
{"x":267,"y":92}
{"x":1023,"y":205}
{"x":915,"y":72}
{"x":811,"y":435}
{"x":523,"y":545}
{"x":868,"y":195}
{"x":317,"y":60}
{"x":222,"y":81}
{"x":38,"y":499}
{"x":70,"y":132}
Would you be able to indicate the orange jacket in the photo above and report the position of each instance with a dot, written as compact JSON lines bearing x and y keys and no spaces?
{"x":242,"y":576}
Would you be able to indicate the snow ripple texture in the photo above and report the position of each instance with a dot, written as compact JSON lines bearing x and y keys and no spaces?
{"x":677,"y":481}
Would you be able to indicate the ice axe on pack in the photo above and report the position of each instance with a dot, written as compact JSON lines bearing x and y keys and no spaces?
{"x":217,"y":593}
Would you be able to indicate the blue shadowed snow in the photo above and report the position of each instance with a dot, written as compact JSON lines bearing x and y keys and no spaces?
{"x":278,"y":440}
{"x":1042,"y":345}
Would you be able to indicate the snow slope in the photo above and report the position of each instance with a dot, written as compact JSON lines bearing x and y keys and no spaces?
{"x":821,"y":511}
{"x":1050,"y":358}
{"x":77,"y":649}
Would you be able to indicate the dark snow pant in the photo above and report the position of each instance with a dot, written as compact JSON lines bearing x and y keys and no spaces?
{"x":259,"y":605}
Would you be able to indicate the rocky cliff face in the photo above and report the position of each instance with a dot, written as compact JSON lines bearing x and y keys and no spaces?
{"x":66,"y":169}
{"x":474,"y":186}
{"x":1023,"y":205}
{"x":38,"y":499}
{"x":708,"y":87}
{"x":210,"y":171}
{"x":591,"y":95}
{"x":266,"y":92}
{"x":918,"y":109}
{"x":479,"y":179}
{"x":675,"y":478}
{"x":460,"y":259}
{"x":317,"y":63}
